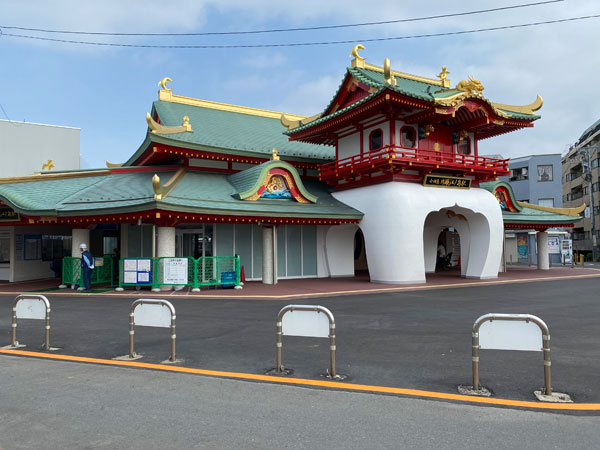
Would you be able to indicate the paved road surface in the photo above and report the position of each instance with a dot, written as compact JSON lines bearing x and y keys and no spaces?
{"x":419,"y":340}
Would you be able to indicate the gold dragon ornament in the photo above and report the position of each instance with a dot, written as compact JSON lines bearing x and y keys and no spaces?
{"x":471,"y":86}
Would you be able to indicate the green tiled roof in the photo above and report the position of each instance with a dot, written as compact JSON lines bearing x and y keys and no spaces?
{"x":412,"y":88}
{"x":535,"y":216}
{"x":232,"y":132}
{"x":528,"y":215}
{"x":197,"y":192}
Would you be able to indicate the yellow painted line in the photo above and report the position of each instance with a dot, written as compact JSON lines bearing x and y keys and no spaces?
{"x":318,"y":383}
{"x":474,"y":283}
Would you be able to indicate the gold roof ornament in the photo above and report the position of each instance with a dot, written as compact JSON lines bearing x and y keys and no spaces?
{"x":274,"y":157}
{"x":110,"y":165}
{"x":162,"y":190}
{"x":47,"y":166}
{"x":471,"y":86}
{"x":156,"y":187}
{"x":163,"y":84}
{"x":162,"y":129}
{"x":387,"y":73}
{"x":358,"y":60}
{"x":443,"y":75}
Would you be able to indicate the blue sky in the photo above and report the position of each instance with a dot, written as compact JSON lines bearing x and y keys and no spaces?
{"x":106,"y":91}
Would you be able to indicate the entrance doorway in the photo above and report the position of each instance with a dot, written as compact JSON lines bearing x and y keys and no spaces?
{"x":361,"y":266}
{"x":194,"y":242}
{"x":448,"y":250}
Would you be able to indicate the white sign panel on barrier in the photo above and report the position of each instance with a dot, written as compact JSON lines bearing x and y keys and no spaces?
{"x":150,"y":315}
{"x":510,"y":335}
{"x":175,"y":271}
{"x":305,"y":323}
{"x":29,"y":308}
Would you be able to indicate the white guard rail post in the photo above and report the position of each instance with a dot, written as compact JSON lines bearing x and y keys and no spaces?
{"x":30,"y":306}
{"x":307,"y":321}
{"x":152,"y":313}
{"x":511,"y":338}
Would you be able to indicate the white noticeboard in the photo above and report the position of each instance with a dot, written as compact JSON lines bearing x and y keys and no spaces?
{"x":151,"y":315}
{"x":305,"y":323}
{"x":31,"y":309}
{"x":510,"y":335}
{"x":175,"y":271}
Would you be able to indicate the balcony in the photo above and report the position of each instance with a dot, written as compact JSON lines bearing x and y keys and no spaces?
{"x":392,"y":160}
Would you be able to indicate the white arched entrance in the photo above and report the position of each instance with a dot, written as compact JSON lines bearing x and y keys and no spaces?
{"x":397,"y":223}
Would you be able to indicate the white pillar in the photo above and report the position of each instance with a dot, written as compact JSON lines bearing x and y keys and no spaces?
{"x":165,"y":246}
{"x":543,"y":262}
{"x":269,"y":254}
{"x":79,"y":236}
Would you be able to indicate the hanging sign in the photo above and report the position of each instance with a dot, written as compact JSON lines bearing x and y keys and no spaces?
{"x":8,"y":215}
{"x":448,"y":182}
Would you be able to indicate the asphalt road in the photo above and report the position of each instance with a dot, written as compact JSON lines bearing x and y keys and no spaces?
{"x":62,"y":405}
{"x":419,"y":339}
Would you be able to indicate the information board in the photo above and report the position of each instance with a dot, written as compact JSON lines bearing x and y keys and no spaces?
{"x":175,"y":270}
{"x":137,"y":271}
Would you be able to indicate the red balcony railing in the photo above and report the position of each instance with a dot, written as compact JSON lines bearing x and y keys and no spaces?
{"x":480,"y":167}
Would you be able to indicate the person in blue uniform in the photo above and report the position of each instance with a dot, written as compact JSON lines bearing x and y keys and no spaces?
{"x":87,"y":264}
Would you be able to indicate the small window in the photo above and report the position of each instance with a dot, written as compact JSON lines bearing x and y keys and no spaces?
{"x":544,"y":173}
{"x":408,"y":137}
{"x":549,"y":202}
{"x":464,"y":147}
{"x":519,"y":174}
{"x":376,"y":139}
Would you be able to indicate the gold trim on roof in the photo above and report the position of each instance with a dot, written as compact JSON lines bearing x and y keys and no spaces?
{"x":113,"y":165}
{"x":54,"y":176}
{"x":168,"y":96}
{"x":387,"y":73}
{"x":458,"y":100}
{"x":566,"y":211}
{"x":162,"y":129}
{"x":291,"y":124}
{"x":525,"y":109}
{"x":359,"y":62}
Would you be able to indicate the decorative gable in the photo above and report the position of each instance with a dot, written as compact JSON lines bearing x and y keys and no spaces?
{"x":274,"y":179}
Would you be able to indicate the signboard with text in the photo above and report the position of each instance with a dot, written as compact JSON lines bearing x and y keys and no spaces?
{"x":8,"y":215}
{"x":448,"y":182}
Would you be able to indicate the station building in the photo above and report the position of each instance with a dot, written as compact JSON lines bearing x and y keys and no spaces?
{"x":390,"y":167}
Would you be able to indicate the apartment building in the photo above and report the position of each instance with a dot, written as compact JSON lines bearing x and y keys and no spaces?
{"x":581,"y":182}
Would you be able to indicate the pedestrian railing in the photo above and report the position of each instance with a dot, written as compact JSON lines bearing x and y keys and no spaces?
{"x":101,"y":274}
{"x":167,"y":271}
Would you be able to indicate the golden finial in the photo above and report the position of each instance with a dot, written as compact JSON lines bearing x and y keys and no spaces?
{"x":274,"y":157}
{"x":358,"y":60}
{"x":47,"y":166}
{"x":163,"y":84}
{"x":443,"y":75}
{"x":387,"y":73}
{"x":186,"y":123}
{"x":156,"y":187}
